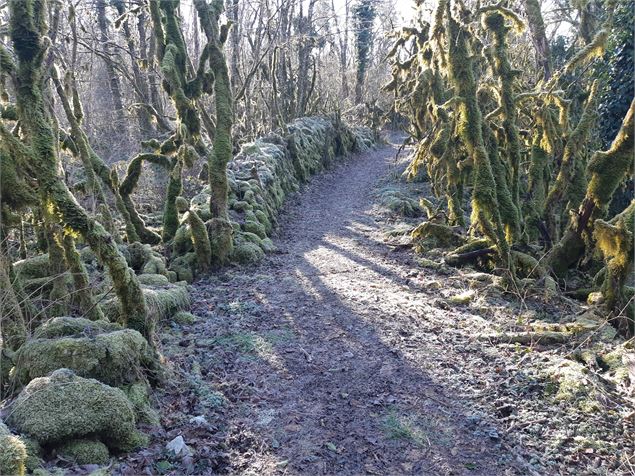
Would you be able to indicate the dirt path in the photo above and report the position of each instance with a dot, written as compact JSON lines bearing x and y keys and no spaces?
{"x":321,"y":359}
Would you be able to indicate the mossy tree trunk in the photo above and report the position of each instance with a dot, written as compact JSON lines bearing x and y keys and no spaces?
{"x":220,"y":229}
{"x":28,"y":30}
{"x":485,"y":203}
{"x":567,"y":190}
{"x":606,"y":170}
{"x":81,"y":282}
{"x":12,"y":322}
{"x":615,"y":241}
{"x":59,"y":296}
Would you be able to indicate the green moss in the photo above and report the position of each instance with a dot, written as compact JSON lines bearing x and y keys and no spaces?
{"x":84,"y":451}
{"x":33,"y":453}
{"x":437,"y":233}
{"x":30,"y":268}
{"x":115,"y":358}
{"x":615,"y":239}
{"x":154,"y":265}
{"x":252,"y":226}
{"x":81,"y":281}
{"x":163,"y":302}
{"x":264,"y":220}
{"x":183,"y":266}
{"x":139,"y":395}
{"x":397,"y":202}
{"x":13,"y":455}
{"x":242,"y":206}
{"x":250,"y":237}
{"x":268,"y":246}
{"x":184,"y":317}
{"x":73,"y":326}
{"x":153,"y":280}
{"x":182,"y":241}
{"x":170,"y":213}
{"x":200,"y":240}
{"x":246,"y":252}
{"x":64,"y":406}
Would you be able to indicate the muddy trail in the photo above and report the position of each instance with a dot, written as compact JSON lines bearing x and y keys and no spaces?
{"x":324,"y":358}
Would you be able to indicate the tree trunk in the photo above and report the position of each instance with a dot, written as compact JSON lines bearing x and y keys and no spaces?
{"x":113,"y":78}
{"x":28,"y":29}
{"x":538,"y":36}
{"x":606,"y":170}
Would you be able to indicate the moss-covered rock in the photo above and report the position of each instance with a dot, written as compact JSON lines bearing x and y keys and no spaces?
{"x":252,"y":226}
{"x":182,"y":241}
{"x":30,"y":268}
{"x":154,"y":265}
{"x":138,"y":254}
{"x":84,"y":451}
{"x":73,"y":326}
{"x":165,"y":301}
{"x":267,"y":245}
{"x":263,"y":219}
{"x":184,"y":317}
{"x":139,"y":395}
{"x":64,"y":406}
{"x":399,"y":203}
{"x":44,"y":286}
{"x":153,"y":279}
{"x":115,"y":358}
{"x":246,"y":252}
{"x":184,"y":267}
{"x":162,"y":300}
{"x":13,"y":454}
{"x":33,"y":454}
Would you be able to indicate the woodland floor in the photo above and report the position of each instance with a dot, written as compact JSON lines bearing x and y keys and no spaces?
{"x":340,"y":355}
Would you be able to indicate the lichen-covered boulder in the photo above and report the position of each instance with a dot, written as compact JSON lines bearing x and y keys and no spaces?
{"x":13,"y":453}
{"x":63,"y":407}
{"x":84,"y":451}
{"x":70,"y":326}
{"x":115,"y":358}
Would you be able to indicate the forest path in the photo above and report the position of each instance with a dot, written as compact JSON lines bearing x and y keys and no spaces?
{"x":322,"y":351}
